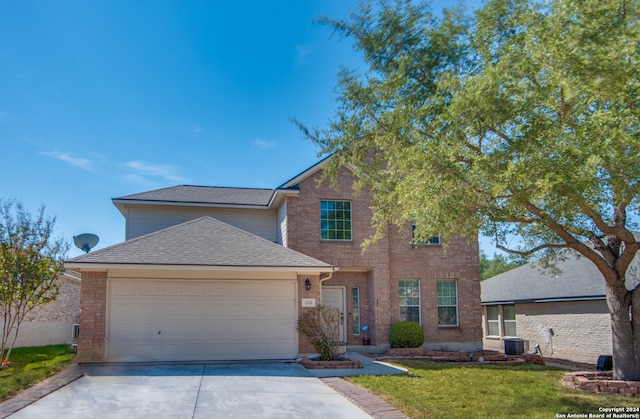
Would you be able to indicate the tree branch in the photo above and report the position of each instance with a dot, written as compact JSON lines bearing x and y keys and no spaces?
{"x":607,"y":270}
{"x":533,"y":250}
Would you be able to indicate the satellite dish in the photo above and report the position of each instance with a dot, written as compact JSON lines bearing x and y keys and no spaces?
{"x":86,"y":241}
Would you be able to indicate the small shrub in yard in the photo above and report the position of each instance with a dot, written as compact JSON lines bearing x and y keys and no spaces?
{"x":321,"y":325}
{"x":406,"y":334}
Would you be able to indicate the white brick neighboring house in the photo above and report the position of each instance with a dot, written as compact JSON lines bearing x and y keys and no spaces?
{"x":562,"y":309}
{"x":52,"y":323}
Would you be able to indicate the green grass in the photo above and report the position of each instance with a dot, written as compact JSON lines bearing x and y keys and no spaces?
{"x":31,"y":365}
{"x":439,"y":390}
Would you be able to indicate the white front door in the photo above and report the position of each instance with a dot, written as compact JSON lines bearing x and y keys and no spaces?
{"x":335,"y":297}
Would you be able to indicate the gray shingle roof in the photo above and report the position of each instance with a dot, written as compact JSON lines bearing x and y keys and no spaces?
{"x":204,"y":241}
{"x":573,"y":278}
{"x":204,"y":195}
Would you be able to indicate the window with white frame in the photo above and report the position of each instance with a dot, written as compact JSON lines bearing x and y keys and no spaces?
{"x":335,"y":220}
{"x":447,"y":292}
{"x":409,"y":292}
{"x":355,"y":303}
{"x":432,"y":241}
{"x":493,"y":321}
{"x":501,"y":320}
{"x":509,"y":320}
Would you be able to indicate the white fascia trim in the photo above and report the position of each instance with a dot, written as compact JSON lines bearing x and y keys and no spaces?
{"x":283,"y":193}
{"x":310,"y":171}
{"x":108,"y":266}
{"x":71,"y":275}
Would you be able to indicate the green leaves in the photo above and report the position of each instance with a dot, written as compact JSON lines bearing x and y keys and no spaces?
{"x":30,"y":261}
{"x":522,"y":119}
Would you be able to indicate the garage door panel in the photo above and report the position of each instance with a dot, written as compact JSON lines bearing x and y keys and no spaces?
{"x":195,"y":310}
{"x":240,"y":290}
{"x":195,"y":290}
{"x":122,"y":289}
{"x":146,"y":289}
{"x":186,"y":320}
{"x":217,"y":310}
{"x":172,"y":290}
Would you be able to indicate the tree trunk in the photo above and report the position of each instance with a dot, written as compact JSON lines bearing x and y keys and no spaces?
{"x":624,"y":307}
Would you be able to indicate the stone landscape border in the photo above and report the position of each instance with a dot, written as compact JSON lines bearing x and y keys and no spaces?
{"x":601,"y":382}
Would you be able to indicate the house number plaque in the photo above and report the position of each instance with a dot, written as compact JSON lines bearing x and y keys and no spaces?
{"x":308,"y":302}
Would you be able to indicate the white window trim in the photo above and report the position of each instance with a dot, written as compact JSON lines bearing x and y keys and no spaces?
{"x":496,"y":321}
{"x":350,"y":220}
{"x":501,"y":321}
{"x":419,"y":298}
{"x":504,"y":321}
{"x":356,"y":310}
{"x":455,"y":281}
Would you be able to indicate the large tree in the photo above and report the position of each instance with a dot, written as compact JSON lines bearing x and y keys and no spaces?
{"x":520,"y":121}
{"x":31,"y":259}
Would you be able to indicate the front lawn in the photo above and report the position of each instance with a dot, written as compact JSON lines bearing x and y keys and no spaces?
{"x":439,"y":390}
{"x":31,"y":365}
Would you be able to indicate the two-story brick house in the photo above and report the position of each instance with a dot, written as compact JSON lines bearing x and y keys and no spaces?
{"x":225,"y":273}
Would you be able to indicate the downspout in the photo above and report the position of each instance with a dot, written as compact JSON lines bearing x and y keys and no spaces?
{"x":328,"y":277}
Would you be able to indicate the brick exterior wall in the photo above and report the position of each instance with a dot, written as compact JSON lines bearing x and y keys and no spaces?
{"x":304,"y":346}
{"x":377,"y":271}
{"x":581,"y":330}
{"x":93,"y":305}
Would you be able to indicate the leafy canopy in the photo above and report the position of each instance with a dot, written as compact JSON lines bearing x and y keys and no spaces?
{"x":520,"y":121}
{"x":30,"y":261}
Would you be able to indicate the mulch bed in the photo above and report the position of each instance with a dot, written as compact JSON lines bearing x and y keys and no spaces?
{"x":344,"y":363}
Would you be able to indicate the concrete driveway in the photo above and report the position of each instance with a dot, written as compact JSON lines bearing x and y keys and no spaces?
{"x":238,"y":390}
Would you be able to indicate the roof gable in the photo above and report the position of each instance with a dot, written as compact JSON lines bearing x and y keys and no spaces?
{"x":204,"y":241}
{"x":294,"y":181}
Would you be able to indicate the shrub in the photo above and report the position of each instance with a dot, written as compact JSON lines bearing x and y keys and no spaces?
{"x":321,"y":325}
{"x":406,"y":334}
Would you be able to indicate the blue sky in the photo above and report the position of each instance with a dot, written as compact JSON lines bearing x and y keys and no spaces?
{"x":101,"y":99}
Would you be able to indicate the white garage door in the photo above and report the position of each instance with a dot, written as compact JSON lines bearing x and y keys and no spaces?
{"x":174,"y":320}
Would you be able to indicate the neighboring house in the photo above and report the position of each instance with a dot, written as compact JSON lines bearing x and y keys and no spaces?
{"x":561,"y":308}
{"x":52,"y":323}
{"x":211,"y":273}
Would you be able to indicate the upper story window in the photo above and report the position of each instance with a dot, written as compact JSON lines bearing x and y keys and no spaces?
{"x":335,"y":220}
{"x":433,"y":240}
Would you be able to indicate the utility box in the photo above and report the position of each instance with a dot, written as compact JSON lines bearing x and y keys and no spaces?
{"x":515,"y":346}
